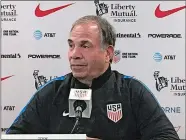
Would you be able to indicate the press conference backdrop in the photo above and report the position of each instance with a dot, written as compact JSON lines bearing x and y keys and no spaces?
{"x":150,"y":46}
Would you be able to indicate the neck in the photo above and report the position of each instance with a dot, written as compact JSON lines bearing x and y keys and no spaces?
{"x":88,"y":82}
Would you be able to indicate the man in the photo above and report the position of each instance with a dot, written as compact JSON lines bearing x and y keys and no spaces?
{"x":91,"y":50}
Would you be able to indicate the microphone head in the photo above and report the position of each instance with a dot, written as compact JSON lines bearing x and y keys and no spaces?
{"x":80,"y":103}
{"x":80,"y":98}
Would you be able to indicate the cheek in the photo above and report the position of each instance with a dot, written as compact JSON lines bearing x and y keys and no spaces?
{"x":69,"y":55}
{"x":98,"y":59}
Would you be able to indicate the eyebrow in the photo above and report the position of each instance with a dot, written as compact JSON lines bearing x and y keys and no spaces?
{"x":69,"y":40}
{"x":82,"y":42}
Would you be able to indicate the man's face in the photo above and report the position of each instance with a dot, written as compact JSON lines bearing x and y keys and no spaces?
{"x":87,"y":58}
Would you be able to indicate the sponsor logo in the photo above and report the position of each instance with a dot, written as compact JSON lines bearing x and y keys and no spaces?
{"x":44,"y":56}
{"x":43,"y":13}
{"x":8,"y":12}
{"x":172,"y":109}
{"x":117,"y":56}
{"x":164,"y":13}
{"x":171,"y":36}
{"x":158,"y":57}
{"x":114,"y":112}
{"x":176,"y":85}
{"x":38,"y":35}
{"x":129,"y":55}
{"x":177,"y":128}
{"x":65,"y":114}
{"x":119,"y":13}
{"x":80,"y":93}
{"x":10,"y":32}
{"x":10,"y":56}
{"x":4,"y":129}
{"x":41,"y":80}
{"x":9,"y":108}
{"x":4,"y":78}
{"x":124,"y":55}
{"x":130,"y":35}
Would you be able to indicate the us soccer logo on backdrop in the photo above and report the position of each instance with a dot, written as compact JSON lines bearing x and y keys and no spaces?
{"x":117,"y":56}
{"x":114,"y":112}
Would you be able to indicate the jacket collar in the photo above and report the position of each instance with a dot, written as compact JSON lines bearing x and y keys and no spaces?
{"x":96,"y":83}
{"x":63,"y":91}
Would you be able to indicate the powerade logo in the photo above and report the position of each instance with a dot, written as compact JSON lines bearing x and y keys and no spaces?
{"x":38,"y":34}
{"x":171,"y":36}
{"x":157,"y":57}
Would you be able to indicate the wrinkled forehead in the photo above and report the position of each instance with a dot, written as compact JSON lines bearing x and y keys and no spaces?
{"x":85,"y":31}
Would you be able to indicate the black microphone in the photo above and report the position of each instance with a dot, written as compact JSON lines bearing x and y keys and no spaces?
{"x":79,"y":107}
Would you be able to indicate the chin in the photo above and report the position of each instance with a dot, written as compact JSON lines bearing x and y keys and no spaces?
{"x":79,"y":75}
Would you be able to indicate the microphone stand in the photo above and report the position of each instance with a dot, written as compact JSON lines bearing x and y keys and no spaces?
{"x":79,"y":107}
{"x":75,"y":125}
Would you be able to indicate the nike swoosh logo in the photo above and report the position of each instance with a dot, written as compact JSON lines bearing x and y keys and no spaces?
{"x":4,"y":78}
{"x":161,"y":14}
{"x":42,"y":13}
{"x":65,"y":114}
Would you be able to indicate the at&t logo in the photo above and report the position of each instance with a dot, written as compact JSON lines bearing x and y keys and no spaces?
{"x":38,"y":34}
{"x":158,"y":57}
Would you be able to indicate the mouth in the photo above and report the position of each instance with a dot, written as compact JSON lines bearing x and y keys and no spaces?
{"x":77,"y":65}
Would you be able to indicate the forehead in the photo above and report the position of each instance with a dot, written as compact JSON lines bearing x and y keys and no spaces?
{"x":85,"y":31}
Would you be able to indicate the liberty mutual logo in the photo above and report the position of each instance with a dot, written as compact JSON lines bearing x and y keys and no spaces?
{"x":41,"y":80}
{"x":101,"y":8}
{"x":117,"y":11}
{"x":175,"y":84}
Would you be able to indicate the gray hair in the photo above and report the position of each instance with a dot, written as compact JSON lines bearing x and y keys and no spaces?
{"x":107,"y":31}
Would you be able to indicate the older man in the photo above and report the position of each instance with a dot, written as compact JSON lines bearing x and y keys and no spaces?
{"x":91,"y":50}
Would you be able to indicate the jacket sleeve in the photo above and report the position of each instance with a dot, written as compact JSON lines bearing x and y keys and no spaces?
{"x":33,"y":118}
{"x":152,"y":122}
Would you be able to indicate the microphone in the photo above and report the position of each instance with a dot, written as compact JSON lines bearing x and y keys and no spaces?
{"x":79,"y":107}
{"x":80,"y":103}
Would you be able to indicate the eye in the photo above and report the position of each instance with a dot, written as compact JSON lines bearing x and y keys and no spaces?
{"x":85,"y":46}
{"x":70,"y":45}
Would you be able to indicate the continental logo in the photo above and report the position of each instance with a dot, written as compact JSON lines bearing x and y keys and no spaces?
{"x":129,"y":35}
{"x":15,"y":55}
{"x":43,"y":56}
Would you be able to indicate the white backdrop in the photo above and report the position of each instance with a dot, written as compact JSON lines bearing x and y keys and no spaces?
{"x":137,"y":53}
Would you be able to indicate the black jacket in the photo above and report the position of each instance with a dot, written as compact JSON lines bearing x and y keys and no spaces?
{"x":139,"y":116}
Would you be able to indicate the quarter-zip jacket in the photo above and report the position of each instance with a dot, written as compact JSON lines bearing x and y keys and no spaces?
{"x":142,"y":117}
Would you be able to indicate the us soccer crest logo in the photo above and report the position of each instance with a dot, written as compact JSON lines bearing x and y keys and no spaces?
{"x":114,"y":112}
{"x":117,"y":56}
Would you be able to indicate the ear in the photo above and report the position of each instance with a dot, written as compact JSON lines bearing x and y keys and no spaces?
{"x":109,"y":53}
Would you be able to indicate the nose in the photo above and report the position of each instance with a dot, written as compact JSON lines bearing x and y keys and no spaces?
{"x":76,"y":53}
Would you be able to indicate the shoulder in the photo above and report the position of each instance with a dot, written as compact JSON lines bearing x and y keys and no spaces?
{"x":132,"y":84}
{"x":52,"y":86}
